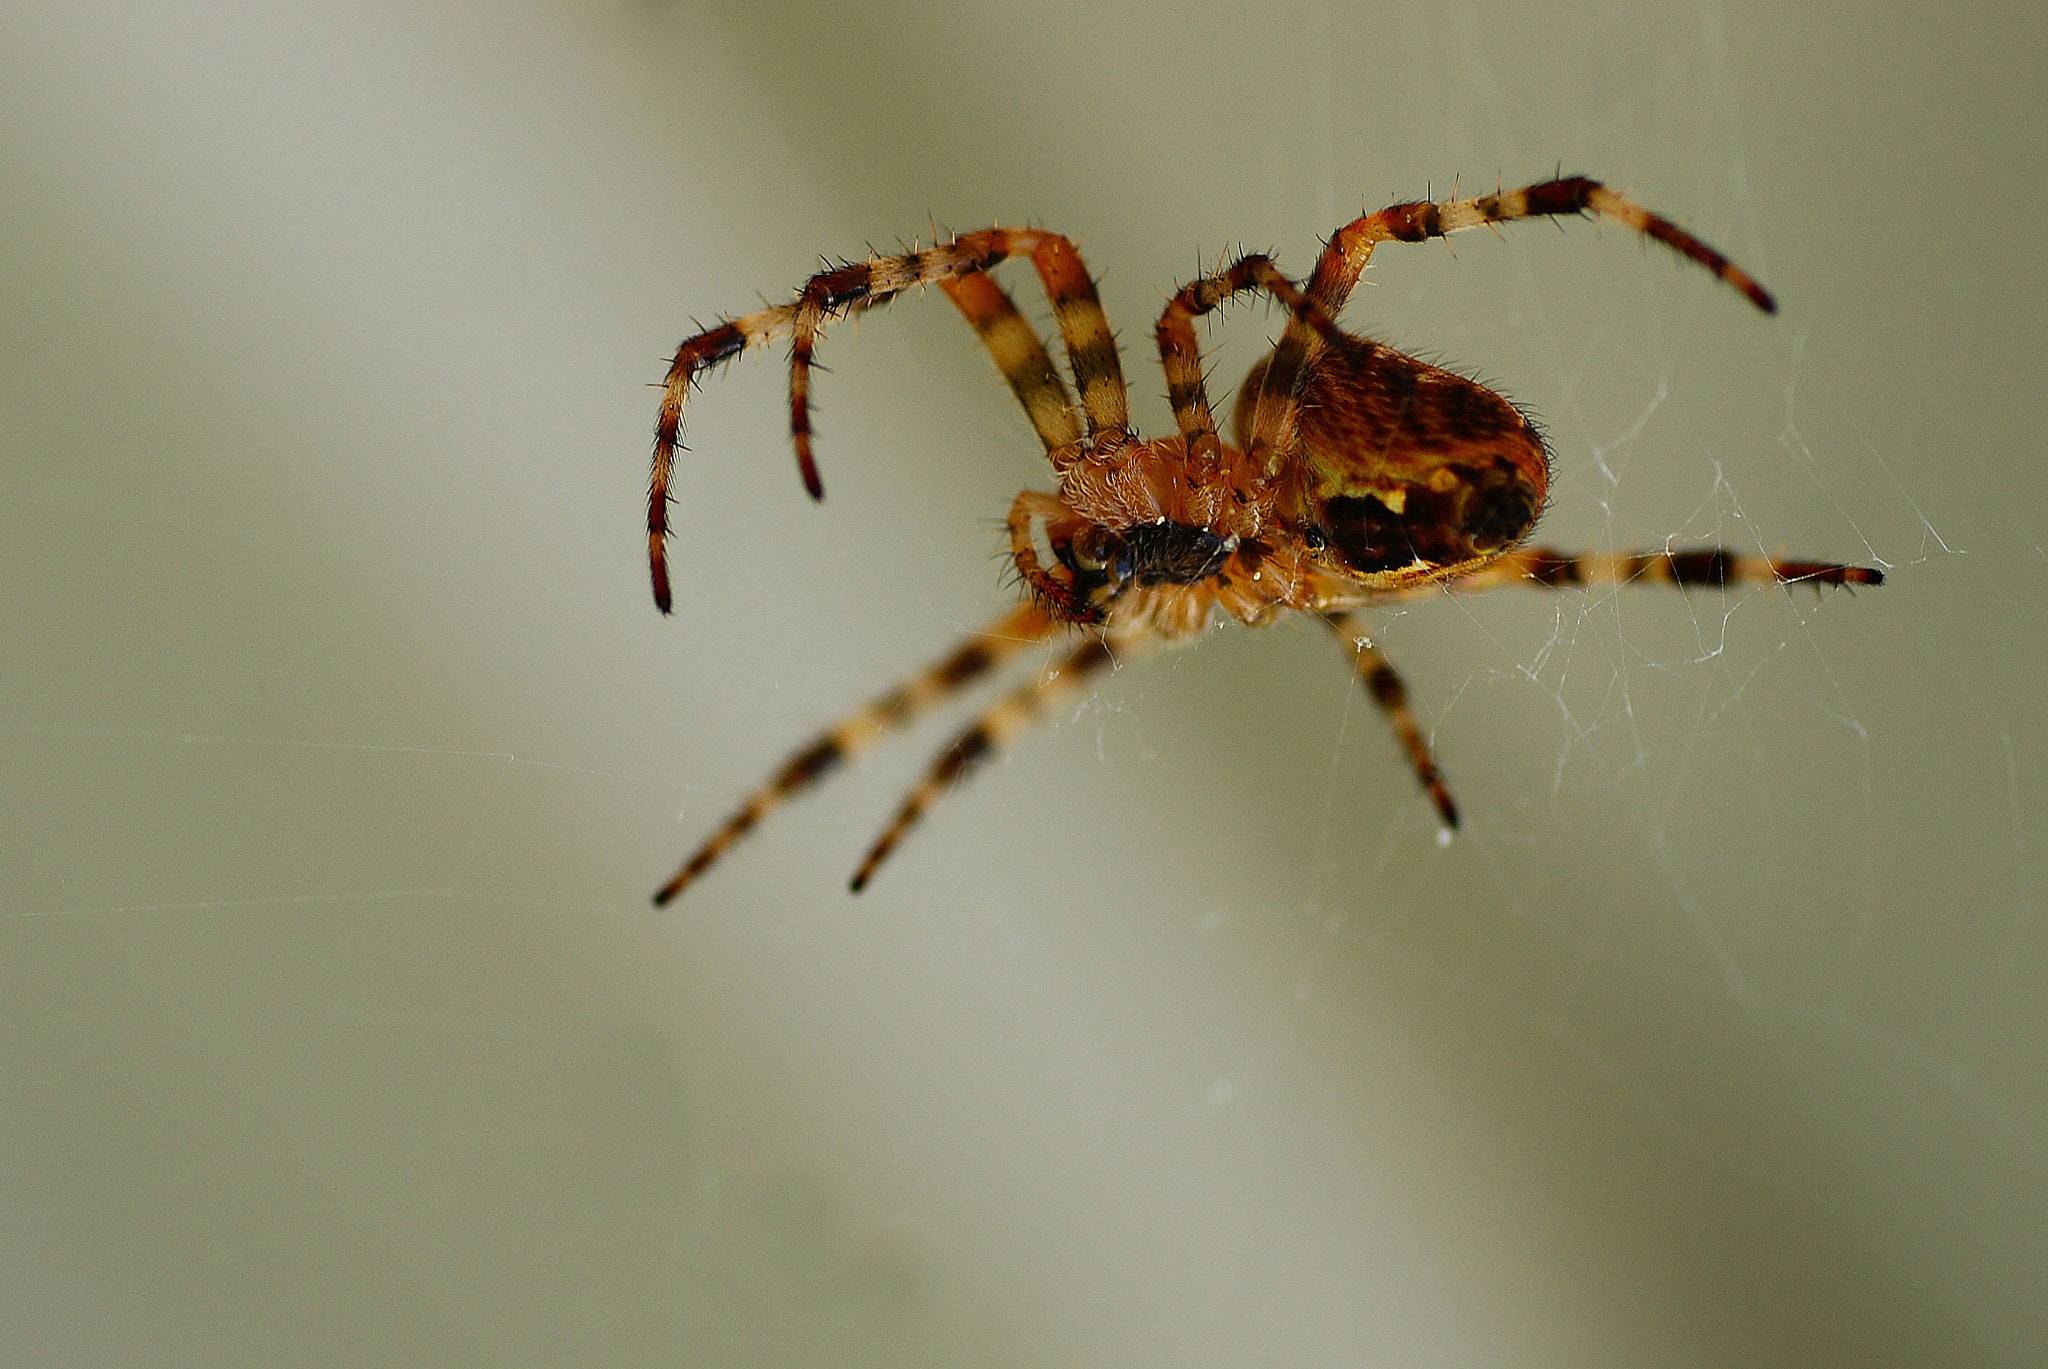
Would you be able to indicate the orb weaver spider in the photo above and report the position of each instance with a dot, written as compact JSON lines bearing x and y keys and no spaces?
{"x":1355,"y":474}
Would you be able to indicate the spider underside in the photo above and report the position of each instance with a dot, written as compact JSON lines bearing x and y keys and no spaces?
{"x":1354,"y":474}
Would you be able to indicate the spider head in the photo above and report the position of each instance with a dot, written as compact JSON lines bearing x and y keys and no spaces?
{"x":1405,"y":467}
{"x":1094,"y":565}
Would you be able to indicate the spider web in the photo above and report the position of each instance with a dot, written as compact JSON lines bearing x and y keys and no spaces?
{"x":344,"y":749}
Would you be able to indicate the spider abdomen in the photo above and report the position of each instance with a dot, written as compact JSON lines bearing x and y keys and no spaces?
{"x":1404,"y":462}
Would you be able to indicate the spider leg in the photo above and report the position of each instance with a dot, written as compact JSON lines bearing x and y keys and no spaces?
{"x":992,"y":733}
{"x":1091,"y":345}
{"x":1020,"y":355}
{"x":1346,"y":254}
{"x":1384,"y":684}
{"x":981,"y":653}
{"x":1180,"y":354}
{"x":1687,"y":568}
{"x":857,"y":286}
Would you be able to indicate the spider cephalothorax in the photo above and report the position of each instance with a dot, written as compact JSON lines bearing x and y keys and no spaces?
{"x":1355,"y":473}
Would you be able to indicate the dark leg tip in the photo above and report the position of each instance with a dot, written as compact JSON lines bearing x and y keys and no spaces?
{"x":658,"y":569}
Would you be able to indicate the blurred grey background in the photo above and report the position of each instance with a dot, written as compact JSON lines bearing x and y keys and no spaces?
{"x":342,"y":745}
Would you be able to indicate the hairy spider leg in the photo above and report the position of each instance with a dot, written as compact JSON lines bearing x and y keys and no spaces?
{"x":1091,"y":346}
{"x":992,"y":733}
{"x":1020,"y":354}
{"x":978,"y":655}
{"x":1180,"y":356}
{"x":1090,"y":342}
{"x":1381,"y":681}
{"x":1687,"y":568}
{"x":1690,"y":568}
{"x":857,"y":286}
{"x":1345,"y":256}
{"x":1350,"y":248}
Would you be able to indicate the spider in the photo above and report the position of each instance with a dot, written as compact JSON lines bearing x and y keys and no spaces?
{"x":1354,"y":474}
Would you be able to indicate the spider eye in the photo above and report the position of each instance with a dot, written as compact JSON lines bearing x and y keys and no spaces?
{"x":1098,"y":565}
{"x":1096,"y":549}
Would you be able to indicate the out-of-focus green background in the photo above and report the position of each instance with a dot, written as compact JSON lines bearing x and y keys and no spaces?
{"x":340,"y":745}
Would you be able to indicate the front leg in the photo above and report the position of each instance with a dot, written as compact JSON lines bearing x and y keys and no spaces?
{"x":857,"y":286}
{"x":980,"y":655}
{"x":992,"y":734}
{"x":1180,"y":357}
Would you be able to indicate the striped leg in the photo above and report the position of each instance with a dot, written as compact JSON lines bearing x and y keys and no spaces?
{"x":1091,"y":346}
{"x":1180,"y":354}
{"x":857,"y":286}
{"x":992,"y":734}
{"x":1381,"y":681}
{"x":1346,"y":254}
{"x":977,"y":656}
{"x":1020,"y":355}
{"x":1687,"y":568}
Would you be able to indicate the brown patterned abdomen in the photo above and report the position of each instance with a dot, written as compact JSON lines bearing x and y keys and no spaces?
{"x":1405,"y":462}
